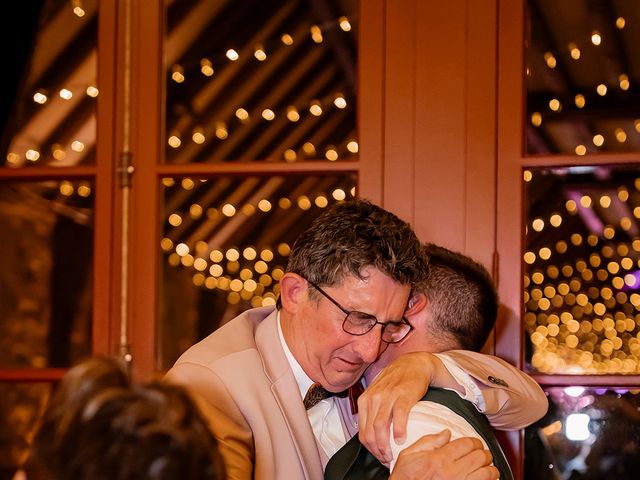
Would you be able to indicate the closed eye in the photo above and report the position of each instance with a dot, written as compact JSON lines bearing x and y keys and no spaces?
{"x":363,"y":317}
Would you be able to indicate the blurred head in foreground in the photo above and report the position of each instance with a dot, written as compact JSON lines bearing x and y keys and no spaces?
{"x":99,"y":426}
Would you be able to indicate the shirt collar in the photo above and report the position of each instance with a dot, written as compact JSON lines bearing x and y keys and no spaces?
{"x":302,"y":379}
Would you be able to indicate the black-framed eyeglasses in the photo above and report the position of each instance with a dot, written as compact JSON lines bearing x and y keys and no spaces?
{"x":359,"y":323}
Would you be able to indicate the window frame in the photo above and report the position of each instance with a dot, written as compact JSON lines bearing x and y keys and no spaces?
{"x":147,"y":144}
{"x":101,"y":174}
{"x":512,"y":161}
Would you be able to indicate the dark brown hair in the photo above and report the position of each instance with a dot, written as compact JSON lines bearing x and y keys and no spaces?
{"x":462,"y":298}
{"x":355,"y":234}
{"x":99,"y":426}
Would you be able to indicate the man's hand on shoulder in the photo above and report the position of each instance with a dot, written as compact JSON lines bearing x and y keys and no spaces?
{"x":434,"y":457}
{"x":389,"y":398}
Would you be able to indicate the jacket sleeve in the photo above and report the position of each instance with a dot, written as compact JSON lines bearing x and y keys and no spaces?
{"x":226,"y":422}
{"x":512,"y":399}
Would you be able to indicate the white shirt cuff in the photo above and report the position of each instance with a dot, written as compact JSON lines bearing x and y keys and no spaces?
{"x":471,"y":388}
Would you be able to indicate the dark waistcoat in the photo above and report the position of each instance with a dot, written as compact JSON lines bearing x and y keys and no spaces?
{"x":354,"y":462}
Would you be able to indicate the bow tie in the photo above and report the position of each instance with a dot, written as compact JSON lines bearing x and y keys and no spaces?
{"x":317,"y":392}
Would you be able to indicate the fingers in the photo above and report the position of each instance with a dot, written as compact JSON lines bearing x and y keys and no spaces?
{"x":457,"y":458}
{"x":464,"y":446}
{"x":390,"y":398}
{"x":376,"y":415}
{"x":476,"y":465}
{"x":485,"y":473}
{"x":429,"y":442}
{"x":433,"y":457}
{"x":400,"y":418}
{"x":476,"y":458}
{"x":374,"y":420}
{"x":455,"y":449}
{"x":381,"y":430}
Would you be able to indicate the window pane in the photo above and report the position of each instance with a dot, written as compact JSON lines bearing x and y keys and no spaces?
{"x":225,"y":244}
{"x":21,"y":405}
{"x":582,"y":270}
{"x":53,"y":119}
{"x":587,"y":434}
{"x":582,"y":73}
{"x":260,"y":80}
{"x":45,"y":272}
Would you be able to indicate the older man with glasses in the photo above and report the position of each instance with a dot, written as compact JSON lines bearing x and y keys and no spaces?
{"x":273,"y":383}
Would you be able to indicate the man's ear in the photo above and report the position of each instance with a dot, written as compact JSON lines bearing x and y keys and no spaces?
{"x":293,"y":290}
{"x":417,"y":302}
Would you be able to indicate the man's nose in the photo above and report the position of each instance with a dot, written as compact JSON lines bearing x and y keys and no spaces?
{"x":368,"y":345}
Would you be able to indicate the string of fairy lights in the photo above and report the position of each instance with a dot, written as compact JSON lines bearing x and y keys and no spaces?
{"x":249,"y":273}
{"x":18,"y":155}
{"x":244,"y":273}
{"x":555,"y":104}
{"x":293,"y":113}
{"x":583,"y":315}
{"x":220,"y":128}
{"x":259,"y":52}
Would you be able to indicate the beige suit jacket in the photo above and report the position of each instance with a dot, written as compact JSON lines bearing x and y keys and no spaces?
{"x":247,"y":391}
{"x":513,"y":400}
{"x":245,"y":387}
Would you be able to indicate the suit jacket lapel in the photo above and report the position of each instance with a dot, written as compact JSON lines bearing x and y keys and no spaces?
{"x":287,"y":394}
